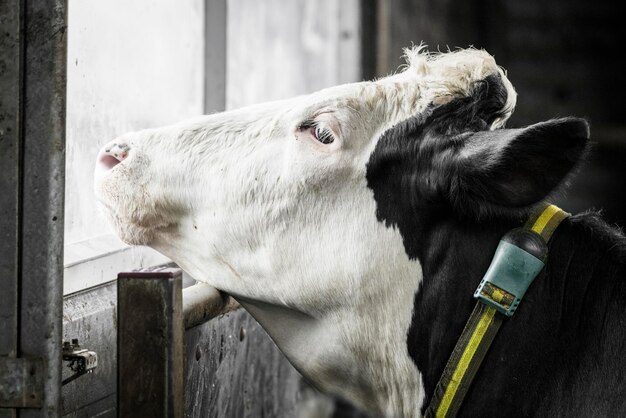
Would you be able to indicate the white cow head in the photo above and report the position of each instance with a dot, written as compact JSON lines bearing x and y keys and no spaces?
{"x":281,"y":205}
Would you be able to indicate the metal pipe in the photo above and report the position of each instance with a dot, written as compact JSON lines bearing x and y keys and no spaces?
{"x":202,"y":302}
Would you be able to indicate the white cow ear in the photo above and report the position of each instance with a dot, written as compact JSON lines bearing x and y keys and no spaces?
{"x":515,"y":168}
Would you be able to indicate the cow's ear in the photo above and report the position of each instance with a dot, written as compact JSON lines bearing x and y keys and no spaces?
{"x":515,"y":168}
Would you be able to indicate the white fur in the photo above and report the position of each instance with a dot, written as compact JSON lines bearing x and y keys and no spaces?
{"x":245,"y":202}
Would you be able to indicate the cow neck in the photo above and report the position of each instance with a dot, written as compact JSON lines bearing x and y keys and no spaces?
{"x":574,"y":325}
{"x":455,"y":255}
{"x":523,"y":247}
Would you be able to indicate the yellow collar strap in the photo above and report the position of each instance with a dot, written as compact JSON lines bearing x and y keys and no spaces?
{"x":498,"y":295}
{"x":545,"y":221}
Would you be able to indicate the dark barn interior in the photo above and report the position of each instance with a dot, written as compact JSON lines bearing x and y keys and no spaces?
{"x":563,"y":57}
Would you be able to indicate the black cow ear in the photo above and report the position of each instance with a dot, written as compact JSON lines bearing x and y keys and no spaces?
{"x":515,"y":168}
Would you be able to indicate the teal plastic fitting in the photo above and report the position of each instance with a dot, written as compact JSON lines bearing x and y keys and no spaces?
{"x":518,"y":260}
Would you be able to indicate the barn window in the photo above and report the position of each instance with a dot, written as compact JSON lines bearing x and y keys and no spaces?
{"x":131,"y":66}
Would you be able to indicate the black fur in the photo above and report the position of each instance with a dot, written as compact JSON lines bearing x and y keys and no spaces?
{"x":443,"y":159}
{"x":562,"y":352}
{"x":453,"y":191}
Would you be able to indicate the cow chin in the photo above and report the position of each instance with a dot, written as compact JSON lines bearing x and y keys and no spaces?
{"x":129,"y":232}
{"x":133,"y":234}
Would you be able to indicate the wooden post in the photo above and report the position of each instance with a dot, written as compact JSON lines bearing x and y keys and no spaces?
{"x":150,"y":344}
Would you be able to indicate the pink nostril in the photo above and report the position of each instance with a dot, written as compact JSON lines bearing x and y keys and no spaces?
{"x":108,"y":161}
{"x":112,"y":154}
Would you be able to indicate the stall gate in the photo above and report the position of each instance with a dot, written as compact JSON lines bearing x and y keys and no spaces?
{"x":32,"y":147}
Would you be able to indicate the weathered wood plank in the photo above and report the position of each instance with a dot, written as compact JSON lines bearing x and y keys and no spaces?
{"x":233,"y":369}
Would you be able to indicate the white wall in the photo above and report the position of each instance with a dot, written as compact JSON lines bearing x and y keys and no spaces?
{"x":281,"y":48}
{"x":131,"y":65}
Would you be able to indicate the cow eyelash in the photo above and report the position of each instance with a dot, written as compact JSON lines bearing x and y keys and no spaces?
{"x":320,"y":133}
{"x":323,"y":135}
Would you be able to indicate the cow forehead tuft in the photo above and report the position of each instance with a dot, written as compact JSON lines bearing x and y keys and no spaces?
{"x":476,"y":63}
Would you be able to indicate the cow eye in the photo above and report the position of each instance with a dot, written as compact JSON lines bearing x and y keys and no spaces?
{"x":317,"y":131}
{"x":322,"y":134}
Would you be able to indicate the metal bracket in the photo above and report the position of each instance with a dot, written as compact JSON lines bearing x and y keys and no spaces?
{"x":81,"y":360}
{"x":21,"y":382}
